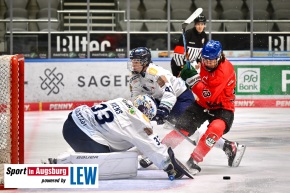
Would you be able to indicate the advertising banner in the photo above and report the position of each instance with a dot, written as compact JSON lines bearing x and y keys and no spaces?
{"x":76,"y":81}
{"x":64,"y":84}
{"x":113,"y":45}
{"x":263,"y":78}
{"x":51,"y":175}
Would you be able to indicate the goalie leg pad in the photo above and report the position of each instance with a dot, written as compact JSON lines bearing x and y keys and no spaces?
{"x":114,"y":165}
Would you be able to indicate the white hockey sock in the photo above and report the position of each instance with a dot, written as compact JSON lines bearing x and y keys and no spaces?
{"x":220,"y":143}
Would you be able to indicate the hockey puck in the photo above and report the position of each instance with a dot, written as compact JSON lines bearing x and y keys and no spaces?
{"x":227,"y":177}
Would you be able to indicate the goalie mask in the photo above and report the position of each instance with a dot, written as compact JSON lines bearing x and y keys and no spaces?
{"x":146,"y":105}
{"x":139,"y":59}
{"x":211,"y":55}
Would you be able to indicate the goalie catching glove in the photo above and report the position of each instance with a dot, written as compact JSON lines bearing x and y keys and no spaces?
{"x":190,"y":76}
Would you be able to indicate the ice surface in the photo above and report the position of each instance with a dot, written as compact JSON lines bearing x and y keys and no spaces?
{"x":264,"y":168}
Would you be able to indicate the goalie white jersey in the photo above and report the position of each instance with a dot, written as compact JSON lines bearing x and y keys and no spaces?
{"x":121,"y":126}
{"x":159,"y":83}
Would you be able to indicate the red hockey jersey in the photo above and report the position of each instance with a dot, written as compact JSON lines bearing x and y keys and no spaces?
{"x":216,"y":89}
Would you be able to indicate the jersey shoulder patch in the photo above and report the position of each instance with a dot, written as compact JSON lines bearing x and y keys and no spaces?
{"x":152,"y":71}
{"x":145,"y":117}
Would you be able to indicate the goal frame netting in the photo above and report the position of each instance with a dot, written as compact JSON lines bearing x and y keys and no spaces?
{"x":12,"y":150}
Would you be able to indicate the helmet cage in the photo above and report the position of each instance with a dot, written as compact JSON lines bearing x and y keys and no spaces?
{"x":140,"y":54}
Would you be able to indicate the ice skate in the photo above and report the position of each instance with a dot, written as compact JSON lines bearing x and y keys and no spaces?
{"x":234,"y":152}
{"x":192,"y":166}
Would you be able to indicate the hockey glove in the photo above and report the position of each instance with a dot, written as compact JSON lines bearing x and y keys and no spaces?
{"x":179,"y":59}
{"x":190,"y":76}
{"x":161,"y":115}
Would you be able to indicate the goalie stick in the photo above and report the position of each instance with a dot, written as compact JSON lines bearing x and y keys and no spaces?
{"x":189,"y":20}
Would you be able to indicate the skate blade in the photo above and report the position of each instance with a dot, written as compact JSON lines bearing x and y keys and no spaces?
{"x":193,"y":171}
{"x":239,"y":156}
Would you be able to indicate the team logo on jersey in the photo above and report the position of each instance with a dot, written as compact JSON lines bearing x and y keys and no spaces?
{"x":152,"y":71}
{"x":211,"y":139}
{"x":202,"y":41}
{"x":206,"y":93}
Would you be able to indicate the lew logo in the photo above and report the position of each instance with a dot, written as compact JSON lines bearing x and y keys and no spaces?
{"x":248,"y":80}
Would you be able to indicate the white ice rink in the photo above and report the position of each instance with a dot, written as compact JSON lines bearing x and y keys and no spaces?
{"x":264,"y":168}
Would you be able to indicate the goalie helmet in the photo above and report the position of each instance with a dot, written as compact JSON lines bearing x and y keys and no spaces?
{"x":200,"y":18}
{"x":146,"y":104}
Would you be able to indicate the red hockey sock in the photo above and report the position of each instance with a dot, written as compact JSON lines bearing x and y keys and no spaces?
{"x":214,"y":131}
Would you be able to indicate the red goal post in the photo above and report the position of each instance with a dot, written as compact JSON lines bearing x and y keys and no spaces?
{"x":11,"y":112}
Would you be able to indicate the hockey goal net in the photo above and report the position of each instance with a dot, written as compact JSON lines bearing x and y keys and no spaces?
{"x":11,"y":112}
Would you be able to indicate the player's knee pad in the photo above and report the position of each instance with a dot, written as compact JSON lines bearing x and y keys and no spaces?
{"x":113,"y":165}
{"x":225,"y":115}
{"x":217,"y":127}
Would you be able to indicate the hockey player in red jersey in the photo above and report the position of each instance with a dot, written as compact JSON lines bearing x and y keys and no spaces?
{"x":215,"y":91}
{"x":195,"y":39}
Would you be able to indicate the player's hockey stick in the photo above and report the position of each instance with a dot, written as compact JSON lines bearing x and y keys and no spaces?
{"x":177,"y":135}
{"x":189,"y":20}
{"x":172,"y":139}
